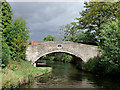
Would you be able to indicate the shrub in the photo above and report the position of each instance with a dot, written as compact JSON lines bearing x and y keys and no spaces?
{"x":94,"y":65}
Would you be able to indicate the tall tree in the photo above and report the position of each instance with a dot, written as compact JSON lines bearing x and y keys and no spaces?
{"x":5,"y":21}
{"x":97,"y":13}
{"x":6,"y":16}
{"x":17,"y":36}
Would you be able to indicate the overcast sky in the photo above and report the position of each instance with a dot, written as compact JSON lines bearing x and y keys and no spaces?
{"x":45,"y":18}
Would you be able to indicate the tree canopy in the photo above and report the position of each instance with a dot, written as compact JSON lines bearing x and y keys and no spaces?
{"x":97,"y":13}
{"x":17,"y":35}
{"x":88,"y":26}
{"x":110,"y":47}
{"x":14,"y":34}
{"x":5,"y":21}
{"x":49,"y":38}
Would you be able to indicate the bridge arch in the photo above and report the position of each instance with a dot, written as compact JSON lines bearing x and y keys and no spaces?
{"x":62,"y":51}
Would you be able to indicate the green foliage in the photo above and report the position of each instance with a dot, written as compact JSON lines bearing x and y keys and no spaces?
{"x":49,"y":38}
{"x":62,"y":57}
{"x":5,"y":21}
{"x":5,"y":54}
{"x":49,"y":57}
{"x":16,"y":74}
{"x":17,"y":36}
{"x":95,"y":14}
{"x":6,"y":16}
{"x":70,"y":31}
{"x":108,"y":63}
{"x":97,"y":66}
{"x":14,"y":34}
{"x":88,"y":26}
{"x":87,"y":37}
{"x":110,"y":45}
{"x":92,"y":28}
{"x":94,"y":65}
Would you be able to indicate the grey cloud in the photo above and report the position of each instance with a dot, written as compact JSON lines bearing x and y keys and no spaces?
{"x":45,"y":18}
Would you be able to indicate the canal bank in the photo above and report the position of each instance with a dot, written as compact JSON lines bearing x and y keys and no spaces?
{"x":17,"y":74}
{"x":66,"y":75}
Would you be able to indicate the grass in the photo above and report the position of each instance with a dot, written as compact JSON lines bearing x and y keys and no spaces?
{"x":18,"y":73}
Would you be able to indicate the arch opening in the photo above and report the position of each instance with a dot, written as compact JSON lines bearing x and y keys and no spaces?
{"x":55,"y":56}
{"x":59,"y":51}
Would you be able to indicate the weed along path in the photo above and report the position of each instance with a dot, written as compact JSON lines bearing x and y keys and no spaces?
{"x":65,"y":75}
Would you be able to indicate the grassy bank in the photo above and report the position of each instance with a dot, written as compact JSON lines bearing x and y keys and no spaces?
{"x":16,"y":74}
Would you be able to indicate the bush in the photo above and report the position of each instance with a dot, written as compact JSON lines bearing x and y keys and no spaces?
{"x":94,"y":65}
{"x":97,"y":66}
{"x":5,"y":54}
{"x":110,"y":46}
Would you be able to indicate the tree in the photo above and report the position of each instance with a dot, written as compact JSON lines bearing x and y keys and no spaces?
{"x":110,"y":47}
{"x":88,"y":27}
{"x":17,"y":36}
{"x":95,"y":14}
{"x":5,"y":21}
{"x":49,"y":38}
{"x":6,"y":16}
{"x":70,"y":32}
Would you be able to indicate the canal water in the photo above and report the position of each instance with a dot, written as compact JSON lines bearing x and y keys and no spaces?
{"x":65,"y":75}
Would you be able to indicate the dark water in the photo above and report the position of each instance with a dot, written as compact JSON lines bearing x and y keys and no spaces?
{"x":65,"y":75}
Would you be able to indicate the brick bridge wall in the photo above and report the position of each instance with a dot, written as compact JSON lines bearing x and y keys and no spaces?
{"x":39,"y":49}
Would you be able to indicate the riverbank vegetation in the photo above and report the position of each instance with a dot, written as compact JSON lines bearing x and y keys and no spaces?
{"x":18,"y":73}
{"x":108,"y":63}
{"x":99,"y":25}
{"x":15,"y":33}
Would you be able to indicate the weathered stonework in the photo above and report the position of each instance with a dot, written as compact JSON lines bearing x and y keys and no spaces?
{"x":83,"y":51}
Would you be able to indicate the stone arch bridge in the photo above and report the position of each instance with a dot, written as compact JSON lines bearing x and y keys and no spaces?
{"x":79,"y":50}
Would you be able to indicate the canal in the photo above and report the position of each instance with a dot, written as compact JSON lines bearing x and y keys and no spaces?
{"x":65,"y":75}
